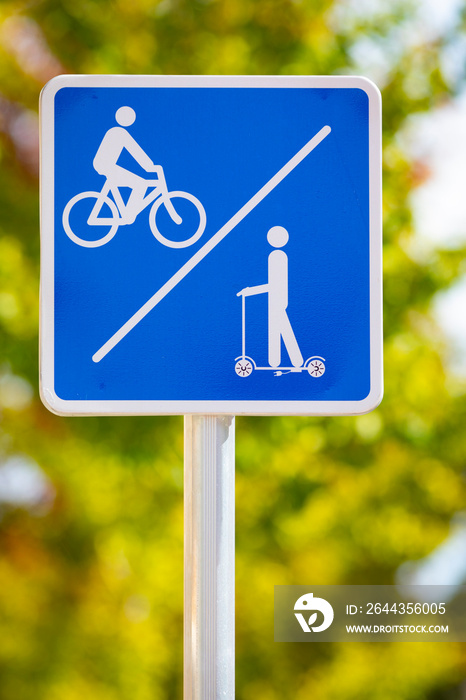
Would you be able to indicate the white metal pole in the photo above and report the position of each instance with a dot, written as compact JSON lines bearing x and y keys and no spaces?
{"x":209,"y":559}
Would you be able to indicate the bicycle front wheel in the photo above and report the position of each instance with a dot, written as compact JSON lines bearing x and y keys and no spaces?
{"x":76,"y":216}
{"x":183,"y":234}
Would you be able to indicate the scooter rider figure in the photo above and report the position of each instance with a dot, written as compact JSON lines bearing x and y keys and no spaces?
{"x":277,"y":290}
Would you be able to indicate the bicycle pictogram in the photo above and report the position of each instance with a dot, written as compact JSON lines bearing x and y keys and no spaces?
{"x":109,"y":211}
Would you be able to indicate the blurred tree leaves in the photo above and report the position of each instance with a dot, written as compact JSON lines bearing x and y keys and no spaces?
{"x":91,"y":573}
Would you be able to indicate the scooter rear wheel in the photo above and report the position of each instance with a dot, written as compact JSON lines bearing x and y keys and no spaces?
{"x":316,"y":367}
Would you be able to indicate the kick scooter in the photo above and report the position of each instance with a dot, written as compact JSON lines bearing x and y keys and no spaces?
{"x":245,"y":365}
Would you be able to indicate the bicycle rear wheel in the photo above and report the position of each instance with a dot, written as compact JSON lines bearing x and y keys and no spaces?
{"x":80,"y":217}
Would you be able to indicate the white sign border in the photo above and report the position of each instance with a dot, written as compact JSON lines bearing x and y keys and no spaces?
{"x":155,"y":407}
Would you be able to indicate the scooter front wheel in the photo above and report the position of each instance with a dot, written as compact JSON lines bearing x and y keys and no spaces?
{"x":191,"y":215}
{"x":243,"y":368}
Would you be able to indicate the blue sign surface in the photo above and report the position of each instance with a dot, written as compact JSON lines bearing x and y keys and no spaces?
{"x":211,"y":246}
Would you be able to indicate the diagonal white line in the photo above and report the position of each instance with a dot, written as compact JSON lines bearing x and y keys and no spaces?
{"x":210,"y":245}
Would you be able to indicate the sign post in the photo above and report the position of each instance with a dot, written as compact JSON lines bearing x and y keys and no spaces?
{"x":211,"y":247}
{"x":209,"y":569}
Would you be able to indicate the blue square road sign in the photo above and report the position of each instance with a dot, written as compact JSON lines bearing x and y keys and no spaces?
{"x":211,"y":245}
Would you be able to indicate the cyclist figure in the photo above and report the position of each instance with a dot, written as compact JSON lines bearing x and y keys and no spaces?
{"x":105,"y":162}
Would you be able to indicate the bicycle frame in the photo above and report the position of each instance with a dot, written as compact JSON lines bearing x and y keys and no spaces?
{"x":160,"y":190}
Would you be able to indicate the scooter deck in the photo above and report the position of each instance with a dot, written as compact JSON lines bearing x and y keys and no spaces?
{"x":287,"y":369}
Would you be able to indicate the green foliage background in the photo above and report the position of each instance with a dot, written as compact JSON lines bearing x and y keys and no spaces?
{"x":91,"y":576}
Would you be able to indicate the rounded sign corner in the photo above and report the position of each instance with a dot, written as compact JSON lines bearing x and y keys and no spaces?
{"x":54,"y":403}
{"x":369,"y":87}
{"x":372,"y":400}
{"x":53,"y":86}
